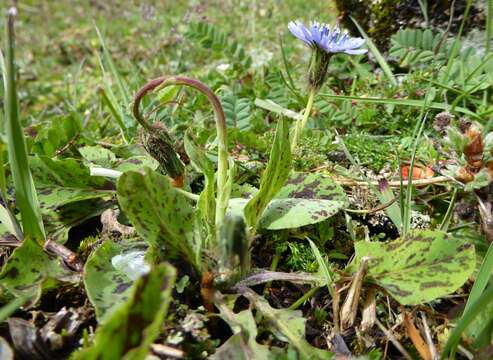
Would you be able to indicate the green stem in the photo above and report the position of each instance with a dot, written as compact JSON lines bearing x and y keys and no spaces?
{"x":489,"y":26}
{"x":273,"y":267}
{"x":300,"y":124}
{"x":304,"y":298}
{"x":444,"y":226}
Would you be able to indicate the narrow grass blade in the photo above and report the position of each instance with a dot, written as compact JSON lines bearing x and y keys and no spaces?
{"x":403,"y":102}
{"x":468,"y":316}
{"x":271,"y":106}
{"x":456,"y":46}
{"x":489,"y":26}
{"x":406,"y":221}
{"x":25,"y":193}
{"x":11,"y":307}
{"x":125,"y":95}
{"x":323,"y":268}
{"x":482,"y":279}
{"x":378,"y":55}
{"x":110,"y":103}
{"x":448,"y":215}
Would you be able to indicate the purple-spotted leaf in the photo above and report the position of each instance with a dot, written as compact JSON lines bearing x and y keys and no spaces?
{"x":423,"y":266}
{"x":129,"y":330}
{"x":67,"y":194}
{"x":293,"y":213}
{"x":30,"y":269}
{"x":311,"y":186}
{"x":305,"y":199}
{"x":106,"y":281}
{"x":161,"y":215}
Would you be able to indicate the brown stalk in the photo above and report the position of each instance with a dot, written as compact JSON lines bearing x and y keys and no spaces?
{"x":369,"y":311}
{"x":416,"y":337}
{"x":68,"y":256}
{"x":349,"y":309}
{"x":388,"y":333}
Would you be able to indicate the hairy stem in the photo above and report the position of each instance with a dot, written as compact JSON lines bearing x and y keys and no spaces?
{"x":300,"y":124}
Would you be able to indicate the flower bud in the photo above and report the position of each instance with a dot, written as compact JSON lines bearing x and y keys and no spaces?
{"x":158,"y":144}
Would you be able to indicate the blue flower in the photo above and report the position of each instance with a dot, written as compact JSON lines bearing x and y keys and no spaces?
{"x":321,"y":37}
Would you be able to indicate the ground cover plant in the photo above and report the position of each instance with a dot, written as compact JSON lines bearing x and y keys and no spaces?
{"x":245,"y":180}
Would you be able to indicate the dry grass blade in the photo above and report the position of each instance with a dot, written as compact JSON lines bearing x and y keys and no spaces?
{"x":350,"y":307}
{"x":416,"y":337}
{"x":369,"y":312}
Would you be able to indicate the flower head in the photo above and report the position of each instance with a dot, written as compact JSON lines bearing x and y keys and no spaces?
{"x":321,"y":37}
{"x":325,"y":42}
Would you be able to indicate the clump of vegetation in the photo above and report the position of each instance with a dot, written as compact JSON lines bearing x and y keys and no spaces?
{"x":173,"y":188}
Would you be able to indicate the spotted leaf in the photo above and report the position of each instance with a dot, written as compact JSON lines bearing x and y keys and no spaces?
{"x":67,"y":194}
{"x":161,"y":215}
{"x":129,"y":330}
{"x":419,"y":268}
{"x":106,"y":284}
{"x":30,"y":269}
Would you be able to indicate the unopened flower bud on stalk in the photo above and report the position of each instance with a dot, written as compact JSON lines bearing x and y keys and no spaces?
{"x":159,"y":145}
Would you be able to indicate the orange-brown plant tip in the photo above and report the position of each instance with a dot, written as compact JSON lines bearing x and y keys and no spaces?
{"x":177,"y":182}
{"x":207,"y":290}
{"x":464,"y":176}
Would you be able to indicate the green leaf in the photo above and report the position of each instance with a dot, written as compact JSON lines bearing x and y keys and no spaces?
{"x":293,"y":213}
{"x":242,"y":345}
{"x":56,"y":133}
{"x":30,"y":269}
{"x":130,"y":329}
{"x":469,"y":315}
{"x":10,"y":223}
{"x":479,"y":333}
{"x":25,"y":193}
{"x":237,"y":111}
{"x":60,"y":182}
{"x":274,"y":176}
{"x":136,"y":163}
{"x":419,"y":268}
{"x":210,"y":36}
{"x":386,"y":195}
{"x":68,"y":195}
{"x":97,"y":155}
{"x":416,"y":46}
{"x":161,"y":215}
{"x":481,"y":328}
{"x":106,"y":284}
{"x":323,"y":266}
{"x":62,"y":219}
{"x":305,"y":199}
{"x":288,"y":325}
{"x":207,"y":200}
